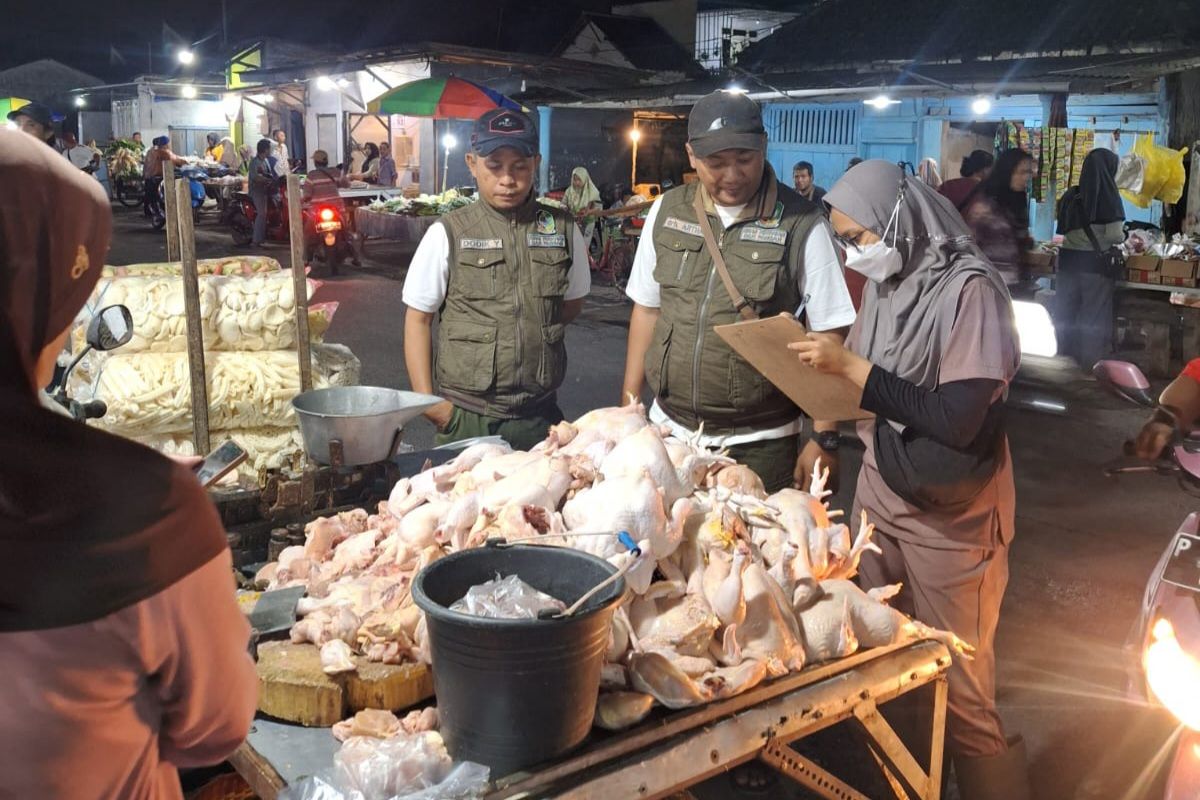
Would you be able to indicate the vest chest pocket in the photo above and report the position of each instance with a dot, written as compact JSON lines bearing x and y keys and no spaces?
{"x":476,"y":273}
{"x":675,"y":256}
{"x":551,"y":271}
{"x":467,"y":355}
{"x":756,"y":267}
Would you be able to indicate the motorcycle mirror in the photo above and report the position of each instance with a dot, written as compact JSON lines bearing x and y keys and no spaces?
{"x":1125,"y":380}
{"x":111,"y":328}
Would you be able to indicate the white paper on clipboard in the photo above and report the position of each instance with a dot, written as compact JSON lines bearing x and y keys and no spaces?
{"x":763,"y":342}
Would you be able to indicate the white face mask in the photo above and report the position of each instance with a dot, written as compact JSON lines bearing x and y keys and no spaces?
{"x":878,"y":261}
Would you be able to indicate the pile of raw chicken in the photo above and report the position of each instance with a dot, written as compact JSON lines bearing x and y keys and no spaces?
{"x":732,"y":586}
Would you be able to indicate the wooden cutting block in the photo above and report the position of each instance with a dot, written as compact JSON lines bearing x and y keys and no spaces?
{"x":292,"y":686}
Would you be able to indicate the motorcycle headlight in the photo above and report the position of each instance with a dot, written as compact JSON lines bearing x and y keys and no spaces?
{"x":1173,"y":674}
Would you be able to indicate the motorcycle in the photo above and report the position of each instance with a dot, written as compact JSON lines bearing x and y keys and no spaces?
{"x":1167,"y":633}
{"x":110,"y":328}
{"x":324,"y":226}
{"x":156,"y":208}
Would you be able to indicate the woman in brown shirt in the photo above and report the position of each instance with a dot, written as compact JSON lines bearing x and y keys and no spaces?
{"x":121,"y":644}
{"x":934,"y":348}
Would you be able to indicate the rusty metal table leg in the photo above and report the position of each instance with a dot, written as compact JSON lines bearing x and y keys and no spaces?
{"x":816,"y":779}
{"x":893,"y":751}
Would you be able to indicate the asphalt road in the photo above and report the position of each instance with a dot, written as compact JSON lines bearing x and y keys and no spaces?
{"x":1084,"y":548}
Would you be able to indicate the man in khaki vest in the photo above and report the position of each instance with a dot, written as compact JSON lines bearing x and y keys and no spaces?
{"x":503,"y":276}
{"x":780,"y":256}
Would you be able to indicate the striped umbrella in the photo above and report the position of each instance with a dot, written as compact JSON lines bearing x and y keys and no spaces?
{"x":441,"y":98}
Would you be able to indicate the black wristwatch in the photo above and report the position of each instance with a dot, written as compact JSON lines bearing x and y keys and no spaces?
{"x":829,"y":441}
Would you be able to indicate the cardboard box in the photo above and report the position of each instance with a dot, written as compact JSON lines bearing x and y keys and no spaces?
{"x":1141,"y":276}
{"x":1143,"y":263}
{"x":1167,"y":280}
{"x":1177,"y":268}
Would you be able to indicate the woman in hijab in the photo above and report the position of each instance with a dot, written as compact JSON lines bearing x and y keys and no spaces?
{"x":370,"y":166}
{"x":1091,"y":218}
{"x":997,"y":211}
{"x":121,"y":644}
{"x":581,"y":197}
{"x":934,"y":348}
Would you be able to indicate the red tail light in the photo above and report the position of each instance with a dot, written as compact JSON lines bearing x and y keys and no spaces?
{"x":326,"y":214}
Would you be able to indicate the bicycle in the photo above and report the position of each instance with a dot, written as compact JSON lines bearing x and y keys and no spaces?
{"x":615,"y":260}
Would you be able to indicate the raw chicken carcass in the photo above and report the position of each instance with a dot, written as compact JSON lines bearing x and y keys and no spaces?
{"x":656,"y":674}
{"x":741,"y":479}
{"x":604,"y":424}
{"x":645,"y":453}
{"x":770,"y":633}
{"x":846,"y":611}
{"x":373,"y":722}
{"x":627,"y":503}
{"x":421,"y":720}
{"x":618,"y":710}
{"x":685,"y":625}
{"x":336,"y":658}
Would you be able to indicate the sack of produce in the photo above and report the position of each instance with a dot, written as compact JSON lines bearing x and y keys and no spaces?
{"x":150,"y":393}
{"x":236,"y":313}
{"x":230,"y":265}
{"x":266,"y":448}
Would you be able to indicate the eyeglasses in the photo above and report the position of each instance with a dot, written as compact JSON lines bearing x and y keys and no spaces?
{"x":847,"y":243}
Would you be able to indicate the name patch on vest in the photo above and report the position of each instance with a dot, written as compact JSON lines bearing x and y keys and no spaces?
{"x":751,"y":233}
{"x":480,"y":244}
{"x":542,"y":240}
{"x":676,"y":224}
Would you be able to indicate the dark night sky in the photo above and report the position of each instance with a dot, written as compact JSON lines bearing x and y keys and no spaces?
{"x":80,"y":33}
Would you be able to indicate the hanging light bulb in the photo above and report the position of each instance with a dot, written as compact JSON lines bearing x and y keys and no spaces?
{"x":981,"y":105}
{"x":449,"y":141}
{"x":188,"y":91}
{"x":325,"y":83}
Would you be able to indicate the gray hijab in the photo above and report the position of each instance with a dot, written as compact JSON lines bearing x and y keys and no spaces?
{"x":905,"y":322}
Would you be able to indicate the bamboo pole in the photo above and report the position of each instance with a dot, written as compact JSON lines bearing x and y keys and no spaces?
{"x":198,"y":377}
{"x":170,"y":210}
{"x":296,"y":229}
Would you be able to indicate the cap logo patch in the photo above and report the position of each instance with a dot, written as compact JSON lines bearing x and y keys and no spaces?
{"x":507,"y":123}
{"x":545,"y":223}
{"x":80,"y":267}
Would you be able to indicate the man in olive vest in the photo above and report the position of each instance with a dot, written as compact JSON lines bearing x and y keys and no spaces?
{"x":780,"y":257}
{"x":503,"y":276}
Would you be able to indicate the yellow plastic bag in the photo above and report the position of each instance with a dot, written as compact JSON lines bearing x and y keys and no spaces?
{"x":1164,"y":175}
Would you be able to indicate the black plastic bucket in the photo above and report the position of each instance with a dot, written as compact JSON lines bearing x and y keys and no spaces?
{"x":513,"y":692}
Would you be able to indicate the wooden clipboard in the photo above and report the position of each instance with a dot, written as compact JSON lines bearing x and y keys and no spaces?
{"x":763,"y":342}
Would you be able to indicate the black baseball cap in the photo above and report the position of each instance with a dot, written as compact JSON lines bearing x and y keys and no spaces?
{"x":725,"y":120}
{"x":37,"y":112}
{"x":503,"y":127}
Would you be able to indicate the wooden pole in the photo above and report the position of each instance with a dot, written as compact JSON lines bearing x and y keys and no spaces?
{"x":191,"y":304}
{"x":171,"y":211}
{"x":300,"y":280}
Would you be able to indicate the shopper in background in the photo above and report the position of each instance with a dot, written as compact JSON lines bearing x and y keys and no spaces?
{"x":123,"y":650}
{"x":80,"y":155}
{"x":152,"y":173}
{"x":369,"y":172}
{"x":35,"y":119}
{"x":802,"y":182}
{"x":975,"y":168}
{"x":323,"y":181}
{"x":386,"y":175}
{"x":933,"y":349}
{"x":279,"y":151}
{"x":997,"y":212}
{"x":263,"y":183}
{"x":1091,"y":219}
{"x":581,"y":197}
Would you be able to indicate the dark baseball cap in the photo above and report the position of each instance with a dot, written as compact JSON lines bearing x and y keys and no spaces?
{"x":725,"y":120}
{"x":37,"y":112}
{"x":503,"y":127}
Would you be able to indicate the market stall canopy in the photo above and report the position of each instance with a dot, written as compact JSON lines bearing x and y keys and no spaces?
{"x":441,"y":98}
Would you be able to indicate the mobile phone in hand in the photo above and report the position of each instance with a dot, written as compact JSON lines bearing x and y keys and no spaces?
{"x":220,"y":462}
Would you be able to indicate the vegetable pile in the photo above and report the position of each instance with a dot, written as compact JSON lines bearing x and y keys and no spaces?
{"x":425,"y":205}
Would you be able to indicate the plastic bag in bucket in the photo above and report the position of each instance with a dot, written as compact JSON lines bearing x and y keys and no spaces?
{"x":515,"y":692}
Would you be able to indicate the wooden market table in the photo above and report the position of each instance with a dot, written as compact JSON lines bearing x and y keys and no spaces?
{"x":674,"y":750}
